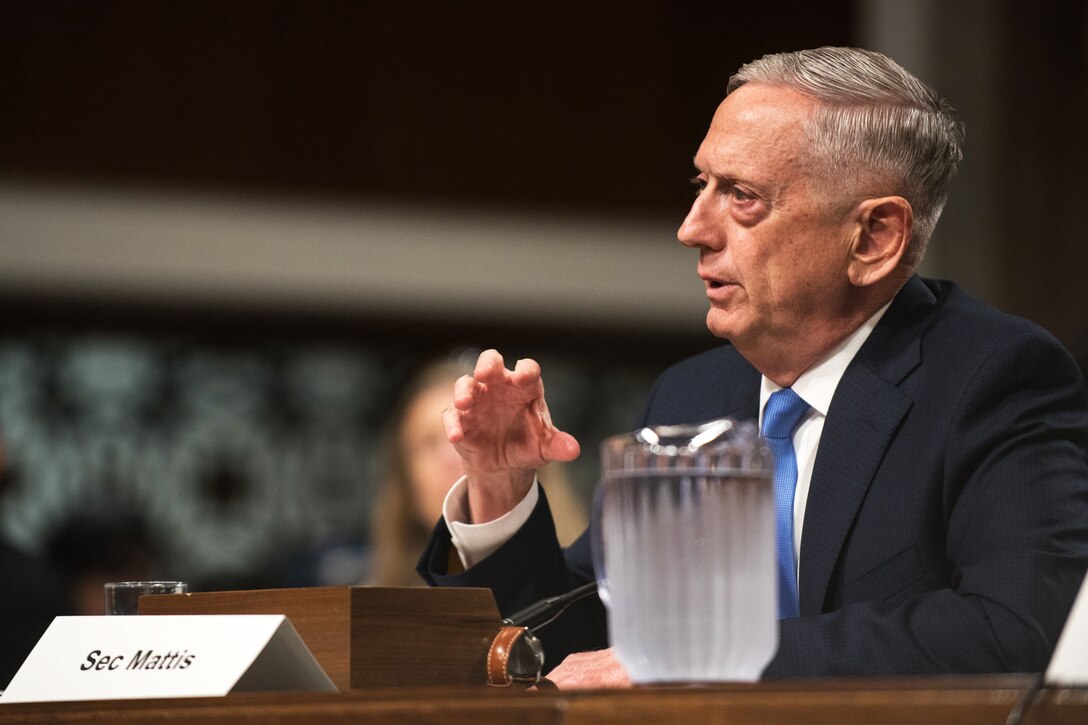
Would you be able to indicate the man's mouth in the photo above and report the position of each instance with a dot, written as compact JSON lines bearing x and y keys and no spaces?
{"x":715,"y":282}
{"x":719,"y":290}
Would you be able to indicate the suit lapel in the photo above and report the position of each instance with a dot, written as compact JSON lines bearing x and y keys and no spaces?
{"x":746,"y":404}
{"x":864,"y":414}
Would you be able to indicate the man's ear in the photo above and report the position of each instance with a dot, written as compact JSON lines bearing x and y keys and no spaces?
{"x":884,"y":229}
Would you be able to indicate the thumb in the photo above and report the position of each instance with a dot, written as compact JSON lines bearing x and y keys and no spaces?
{"x":562,"y":447}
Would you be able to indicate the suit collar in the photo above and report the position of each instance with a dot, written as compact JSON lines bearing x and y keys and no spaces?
{"x":865,"y":412}
{"x":894,"y":348}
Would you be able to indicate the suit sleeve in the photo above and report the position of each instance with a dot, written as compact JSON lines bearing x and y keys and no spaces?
{"x":527,"y":568}
{"x":1015,"y":500}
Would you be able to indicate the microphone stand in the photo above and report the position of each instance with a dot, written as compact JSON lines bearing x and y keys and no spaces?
{"x":547,"y":610}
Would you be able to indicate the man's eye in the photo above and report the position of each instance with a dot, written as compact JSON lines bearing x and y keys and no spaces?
{"x":741,"y":195}
{"x":699,"y":183}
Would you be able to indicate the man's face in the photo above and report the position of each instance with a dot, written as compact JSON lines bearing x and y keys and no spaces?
{"x":773,"y":247}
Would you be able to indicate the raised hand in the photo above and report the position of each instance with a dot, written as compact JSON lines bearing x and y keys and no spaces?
{"x":500,"y":425}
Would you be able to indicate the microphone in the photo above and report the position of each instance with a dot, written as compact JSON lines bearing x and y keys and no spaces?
{"x":547,"y":610}
{"x":516,"y":655}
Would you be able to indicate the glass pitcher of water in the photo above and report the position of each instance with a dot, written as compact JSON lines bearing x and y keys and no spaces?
{"x":684,"y":552}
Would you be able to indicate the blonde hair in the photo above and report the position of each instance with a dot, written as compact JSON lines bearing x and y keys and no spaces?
{"x":397,"y":534}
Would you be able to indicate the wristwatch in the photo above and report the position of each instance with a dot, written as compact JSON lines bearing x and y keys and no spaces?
{"x":515,"y":655}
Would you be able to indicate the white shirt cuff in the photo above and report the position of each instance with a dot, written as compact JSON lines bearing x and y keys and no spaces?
{"x":476,"y":542}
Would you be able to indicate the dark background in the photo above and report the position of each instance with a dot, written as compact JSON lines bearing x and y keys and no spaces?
{"x":569,"y":104}
{"x":558,"y":106}
{"x":565,"y":107}
{"x":234,"y":442}
{"x":551,"y":108}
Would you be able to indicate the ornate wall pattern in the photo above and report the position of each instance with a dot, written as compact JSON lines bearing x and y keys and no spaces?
{"x":239,"y":457}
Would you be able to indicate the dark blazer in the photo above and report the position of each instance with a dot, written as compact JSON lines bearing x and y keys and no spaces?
{"x":946,"y":528}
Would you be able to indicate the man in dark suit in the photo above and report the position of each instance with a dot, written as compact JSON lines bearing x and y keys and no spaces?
{"x":940,"y":517}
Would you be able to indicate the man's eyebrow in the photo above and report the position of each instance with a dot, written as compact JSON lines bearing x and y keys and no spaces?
{"x":760,"y":187}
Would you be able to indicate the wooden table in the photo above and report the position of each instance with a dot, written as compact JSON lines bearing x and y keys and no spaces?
{"x":930,"y":700}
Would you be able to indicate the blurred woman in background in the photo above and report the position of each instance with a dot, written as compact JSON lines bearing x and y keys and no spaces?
{"x":420,"y":465}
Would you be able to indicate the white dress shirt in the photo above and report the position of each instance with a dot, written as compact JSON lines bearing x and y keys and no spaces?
{"x":816,"y":386}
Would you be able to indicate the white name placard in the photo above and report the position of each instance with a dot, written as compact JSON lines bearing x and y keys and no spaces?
{"x":106,"y":658}
{"x":1069,"y":664}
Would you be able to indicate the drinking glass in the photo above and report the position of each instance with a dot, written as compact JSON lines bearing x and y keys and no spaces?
{"x":124,"y":597}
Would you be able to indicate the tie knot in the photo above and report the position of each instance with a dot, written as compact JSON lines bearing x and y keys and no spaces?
{"x":784,"y":411}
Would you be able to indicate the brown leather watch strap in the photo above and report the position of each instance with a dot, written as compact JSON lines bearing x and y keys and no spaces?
{"x":498,"y":656}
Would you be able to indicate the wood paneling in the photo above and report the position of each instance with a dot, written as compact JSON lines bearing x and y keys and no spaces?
{"x":566,"y":103}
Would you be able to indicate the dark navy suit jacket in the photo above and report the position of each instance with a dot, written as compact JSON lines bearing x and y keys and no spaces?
{"x":946,"y":528}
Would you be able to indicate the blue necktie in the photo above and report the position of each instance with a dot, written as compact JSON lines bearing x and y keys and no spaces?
{"x":780,"y":418}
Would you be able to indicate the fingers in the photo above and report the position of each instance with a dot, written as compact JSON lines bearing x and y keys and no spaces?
{"x":464,"y":392}
{"x":489,"y":367}
{"x":451,"y":420}
{"x":508,"y":400}
{"x":526,"y":372}
{"x":490,"y":371}
{"x":589,"y":670}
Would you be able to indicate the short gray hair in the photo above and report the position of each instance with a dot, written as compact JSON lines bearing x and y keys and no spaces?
{"x":877,"y":127}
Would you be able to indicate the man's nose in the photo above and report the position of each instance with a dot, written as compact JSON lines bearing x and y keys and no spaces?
{"x":698,"y":228}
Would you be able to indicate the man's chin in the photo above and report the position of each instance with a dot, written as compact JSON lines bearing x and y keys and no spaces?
{"x":719,"y":325}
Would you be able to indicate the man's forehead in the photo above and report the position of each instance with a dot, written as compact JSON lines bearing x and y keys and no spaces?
{"x":762,"y":98}
{"x":757,"y":128}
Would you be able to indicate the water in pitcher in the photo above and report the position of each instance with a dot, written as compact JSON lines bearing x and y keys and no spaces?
{"x":685,"y":552}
